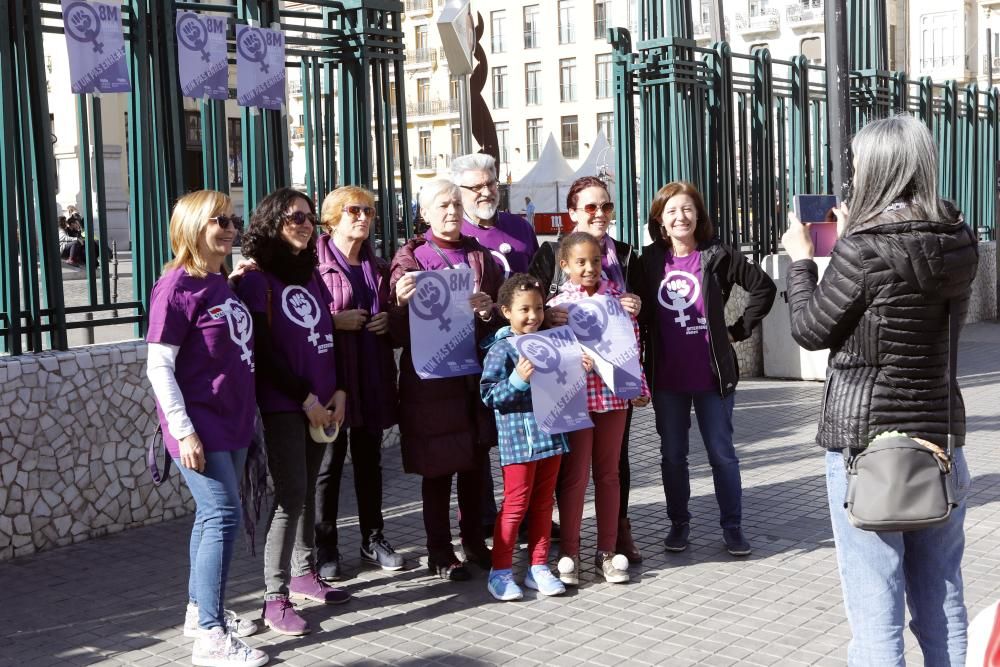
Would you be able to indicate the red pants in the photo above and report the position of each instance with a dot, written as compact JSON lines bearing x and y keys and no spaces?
{"x":601,"y":445}
{"x":527,"y":491}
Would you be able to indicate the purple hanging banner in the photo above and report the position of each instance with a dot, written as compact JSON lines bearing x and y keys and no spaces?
{"x":201,"y":55}
{"x":96,"y":47}
{"x":260,"y":67}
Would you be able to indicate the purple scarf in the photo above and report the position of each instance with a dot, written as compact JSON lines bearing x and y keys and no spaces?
{"x":613,"y":268}
{"x":368,"y":268}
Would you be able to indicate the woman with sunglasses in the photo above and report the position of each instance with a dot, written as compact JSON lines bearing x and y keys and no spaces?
{"x":443,"y":425}
{"x":201,"y":355}
{"x":358,"y":281}
{"x":590,"y":207}
{"x":297,"y":388}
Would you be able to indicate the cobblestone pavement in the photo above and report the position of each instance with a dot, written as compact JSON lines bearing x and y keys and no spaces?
{"x":120,"y":600}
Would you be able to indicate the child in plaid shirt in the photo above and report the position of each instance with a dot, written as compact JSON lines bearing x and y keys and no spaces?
{"x":529,"y":457}
{"x":580,"y":259}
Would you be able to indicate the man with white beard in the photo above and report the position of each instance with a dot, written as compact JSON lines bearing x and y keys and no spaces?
{"x":509,"y":237}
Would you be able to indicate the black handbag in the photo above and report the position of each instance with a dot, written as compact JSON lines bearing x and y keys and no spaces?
{"x":900,"y":483}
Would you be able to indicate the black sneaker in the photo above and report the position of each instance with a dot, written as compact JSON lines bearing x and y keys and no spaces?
{"x":450,"y":570}
{"x":677,"y":538}
{"x":379,"y":552}
{"x":329,"y":566}
{"x":736,"y":544}
{"x":479,"y":555}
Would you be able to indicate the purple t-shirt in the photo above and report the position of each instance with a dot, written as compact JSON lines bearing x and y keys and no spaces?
{"x":215,"y":367}
{"x":430,"y":260}
{"x":511,"y":241}
{"x":683,"y":358}
{"x":302,"y":333}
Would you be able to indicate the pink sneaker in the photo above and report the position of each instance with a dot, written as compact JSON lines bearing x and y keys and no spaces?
{"x":311,"y":587}
{"x":280,"y":616}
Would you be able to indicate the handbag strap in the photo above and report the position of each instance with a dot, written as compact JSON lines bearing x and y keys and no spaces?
{"x":952,"y":372}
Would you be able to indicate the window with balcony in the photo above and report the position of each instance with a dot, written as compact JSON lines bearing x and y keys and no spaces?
{"x":425,"y":157}
{"x":497,"y":21}
{"x":532,"y":79}
{"x":503,"y":142}
{"x":499,"y":87}
{"x":812,"y":48}
{"x":939,"y":40}
{"x":602,"y":69}
{"x":423,"y":96}
{"x":606,"y":125}
{"x":395,"y":150}
{"x":421,"y":42}
{"x":570,"y":137}
{"x":567,"y":80}
{"x":531,"y":25}
{"x":534,"y":127}
{"x":453,"y":94}
{"x":456,"y":141}
{"x":567,"y":28}
{"x":601,"y":19}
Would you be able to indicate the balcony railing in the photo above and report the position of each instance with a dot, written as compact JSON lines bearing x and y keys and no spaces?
{"x":424,"y":162}
{"x":567,"y":93}
{"x":499,"y":100}
{"x":809,"y":12}
{"x":531,"y":96}
{"x":418,"y":6}
{"x":944,"y":62}
{"x":531,"y":40}
{"x":765,"y":21}
{"x":422,"y":56}
{"x":298,"y":133}
{"x":294,"y":86}
{"x":995,"y":65}
{"x":431,"y":108}
{"x":603,"y":88}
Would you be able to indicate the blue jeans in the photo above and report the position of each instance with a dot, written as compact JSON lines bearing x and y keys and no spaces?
{"x":715,"y":421}
{"x":216,"y":493}
{"x":879,"y":569}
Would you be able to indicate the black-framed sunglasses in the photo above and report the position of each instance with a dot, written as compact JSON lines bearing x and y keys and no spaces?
{"x":488,"y":185}
{"x":607,"y":208}
{"x":356,"y":211}
{"x":298,"y":218}
{"x":224,"y":221}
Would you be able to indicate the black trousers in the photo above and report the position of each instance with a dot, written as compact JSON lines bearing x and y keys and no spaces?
{"x":366,"y":455}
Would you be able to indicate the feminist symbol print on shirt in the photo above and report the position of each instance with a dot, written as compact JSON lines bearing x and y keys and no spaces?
{"x":678,"y":292}
{"x":301,"y":308}
{"x":240,"y":327}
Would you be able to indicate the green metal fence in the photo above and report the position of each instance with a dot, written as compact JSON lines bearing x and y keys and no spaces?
{"x":751,"y":131}
{"x":344,"y":54}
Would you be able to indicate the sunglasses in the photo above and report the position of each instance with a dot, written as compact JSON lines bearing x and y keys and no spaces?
{"x":607,"y":208}
{"x":488,"y":185}
{"x":356,"y":211}
{"x":298,"y":218}
{"x":225,"y":221}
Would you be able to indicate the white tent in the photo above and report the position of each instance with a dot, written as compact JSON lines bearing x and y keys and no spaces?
{"x":600,"y":162}
{"x":546,"y":183}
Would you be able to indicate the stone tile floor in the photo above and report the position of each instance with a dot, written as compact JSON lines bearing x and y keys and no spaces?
{"x":120,"y":600}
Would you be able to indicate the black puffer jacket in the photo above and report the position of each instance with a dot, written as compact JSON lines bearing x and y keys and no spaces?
{"x":882,"y":309}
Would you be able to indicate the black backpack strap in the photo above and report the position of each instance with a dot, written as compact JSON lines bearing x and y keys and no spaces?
{"x":557,"y":273}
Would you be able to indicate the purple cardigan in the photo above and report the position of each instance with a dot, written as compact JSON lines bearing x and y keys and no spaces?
{"x":347,"y":342}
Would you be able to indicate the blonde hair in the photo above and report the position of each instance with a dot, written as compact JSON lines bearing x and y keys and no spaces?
{"x":333,"y":205}
{"x":190,"y":216}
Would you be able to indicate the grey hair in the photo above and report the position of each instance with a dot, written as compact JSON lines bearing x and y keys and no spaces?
{"x":431,"y":191}
{"x":895,"y":159}
{"x":470,"y":162}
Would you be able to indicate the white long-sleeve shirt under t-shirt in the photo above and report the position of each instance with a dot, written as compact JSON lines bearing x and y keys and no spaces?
{"x":161,"y":366}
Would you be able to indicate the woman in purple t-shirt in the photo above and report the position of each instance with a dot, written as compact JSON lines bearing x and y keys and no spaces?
{"x":296,"y":390}
{"x":201,"y":357}
{"x":689,"y":353}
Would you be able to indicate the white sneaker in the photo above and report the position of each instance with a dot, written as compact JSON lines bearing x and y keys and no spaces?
{"x":217,"y":648}
{"x":241,"y":627}
{"x":569,"y":570}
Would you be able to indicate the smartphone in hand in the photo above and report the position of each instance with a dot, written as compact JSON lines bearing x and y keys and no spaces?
{"x":817,"y":212}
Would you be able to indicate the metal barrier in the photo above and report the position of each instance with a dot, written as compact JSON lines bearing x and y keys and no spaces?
{"x":751,"y":131}
{"x":351,"y":47}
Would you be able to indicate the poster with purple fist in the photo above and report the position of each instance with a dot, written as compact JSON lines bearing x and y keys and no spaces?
{"x":605,"y":330}
{"x":201,"y":55}
{"x":559,"y":383}
{"x":96,"y":47}
{"x":260,"y":67}
{"x":442,"y":324}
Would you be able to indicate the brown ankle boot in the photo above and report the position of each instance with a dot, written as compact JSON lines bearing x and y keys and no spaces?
{"x":625,"y":544}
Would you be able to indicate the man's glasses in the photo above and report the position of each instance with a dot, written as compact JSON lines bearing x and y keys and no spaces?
{"x":607,"y":208}
{"x":225,"y":221}
{"x":298,"y":218}
{"x":356,"y":211}
{"x":488,"y":185}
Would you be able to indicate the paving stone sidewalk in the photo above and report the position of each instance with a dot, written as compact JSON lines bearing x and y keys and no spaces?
{"x":120,"y":600}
